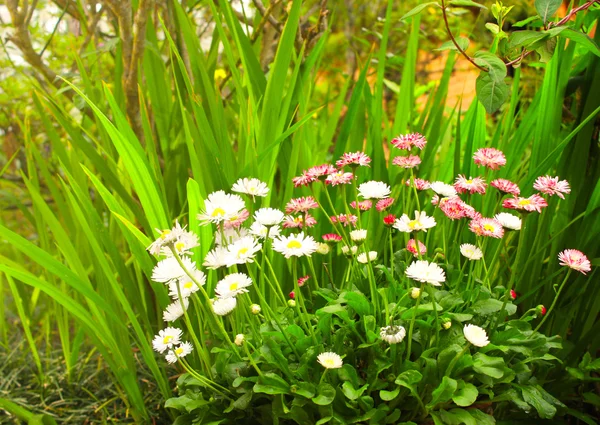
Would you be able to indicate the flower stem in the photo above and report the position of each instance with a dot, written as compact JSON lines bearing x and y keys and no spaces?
{"x":562,"y":285}
{"x":412,"y":324}
{"x":455,"y":359}
{"x":437,"y":319}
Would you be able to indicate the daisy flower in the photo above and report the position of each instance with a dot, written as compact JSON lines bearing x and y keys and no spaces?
{"x":330,"y":360}
{"x":363,"y":258}
{"x":454,"y":208}
{"x":299,"y":222}
{"x":175,"y":310}
{"x":552,"y":186}
{"x":321,"y":171}
{"x":486,"y":227}
{"x":166,"y":338}
{"x":215,"y":258}
{"x":358,"y":236}
{"x":232,"y":285}
{"x":471,"y":185}
{"x":183,"y":350}
{"x":384,"y":204}
{"x":303,"y":180}
{"x":411,"y":247}
{"x":229,"y":235}
{"x":435,"y":199}
{"x":354,"y":159}
{"x":268,"y":216}
{"x":410,"y":161}
{"x":224,"y":306}
{"x":533,"y":203}
{"x":575,"y":260}
{"x":295,"y":245}
{"x":349,"y":251}
{"x":221,"y":206}
{"x":242,"y":251}
{"x":301,"y":205}
{"x":509,"y":221}
{"x":167,"y":238}
{"x":471,"y":252}
{"x":345,"y":219}
{"x":182,"y":245}
{"x":392,"y":334}
{"x":339,"y":177}
{"x":332,"y":238}
{"x":420,"y":184}
{"x":423,"y":271}
{"x":374,"y":190}
{"x":421,"y":222}
{"x":252,"y":187}
{"x":389,"y":220}
{"x":443,"y":189}
{"x":476,"y":335}
{"x":506,"y":186}
{"x":407,"y":141}
{"x":169,"y":269}
{"x":490,"y":158}
{"x":261,"y":231}
{"x":362,"y":205}
{"x":236,"y":220}
{"x":185,"y":285}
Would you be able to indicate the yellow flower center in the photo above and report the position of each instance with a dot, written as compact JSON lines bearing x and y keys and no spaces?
{"x":178,"y":351}
{"x":242,"y":252}
{"x":252,"y":189}
{"x":298,"y":220}
{"x":179,"y":246}
{"x":233,"y":286}
{"x":167,"y":339}
{"x":164,"y":234}
{"x":218,"y":211}
{"x":414,"y":223}
{"x":489,"y":227}
{"x":187,"y":285}
{"x":469,"y":181}
{"x":329,"y":362}
{"x":524,"y":202}
{"x":294,"y":245}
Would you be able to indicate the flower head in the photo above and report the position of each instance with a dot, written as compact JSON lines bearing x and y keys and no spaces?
{"x":513,"y":294}
{"x":443,"y":189}
{"x":423,"y":271}
{"x":345,"y":219}
{"x":260,"y":231}
{"x":252,"y":187}
{"x":323,"y":248}
{"x":366,"y":257}
{"x":268,"y":216}
{"x":295,"y":245}
{"x":384,"y":204}
{"x":339,"y":177}
{"x":332,"y":238}
{"x":506,"y":186}
{"x":349,"y":251}
{"x":421,"y":222}
{"x":239,"y":340}
{"x":575,"y":260}
{"x":169,"y":269}
{"x":476,"y":335}
{"x":166,"y":338}
{"x":354,"y":159}
{"x":454,"y":207}
{"x":533,"y":203}
{"x":374,"y":190}
{"x":416,"y":248}
{"x":183,"y":350}
{"x":301,"y":205}
{"x":321,"y":171}
{"x":392,"y":334}
{"x":490,"y":158}
{"x":215,"y":258}
{"x":358,"y":236}
{"x":177,"y":238}
{"x":299,"y":221}
{"x":419,"y":184}
{"x":303,"y":180}
{"x":415,"y":293}
{"x":407,"y":141}
{"x":486,"y":227}
{"x":255,"y":309}
{"x":232,"y":285}
{"x":471,"y":251}
{"x":175,"y":310}
{"x":302,"y":280}
{"x":185,"y":285}
{"x":552,"y":186}
{"x":471,"y":184}
{"x":223,"y":306}
{"x":236,"y":220}
{"x":330,"y":360}
{"x":242,"y":251}
{"x":509,"y":221}
{"x":410,"y":161}
{"x":389,"y":220}
{"x":540,"y":309}
{"x":221,"y":206}
{"x":362,"y":205}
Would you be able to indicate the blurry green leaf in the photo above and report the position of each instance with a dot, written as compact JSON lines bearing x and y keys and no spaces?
{"x":535,"y":398}
{"x":492,"y":94}
{"x":305,"y":389}
{"x":482,"y":418}
{"x":525,"y":38}
{"x":358,"y":302}
{"x":188,"y":402}
{"x":490,"y":366}
{"x":547,"y":8}
{"x":418,"y":9}
{"x":271,"y":383}
{"x":463,"y":42}
{"x":492,"y":305}
{"x":325,"y":394}
{"x":465,"y":395}
{"x":443,"y":392}
{"x":577,"y":36}
{"x":457,"y":417}
{"x":524,"y":22}
{"x":389,"y":395}
{"x":351,"y":392}
{"x":466,"y":3}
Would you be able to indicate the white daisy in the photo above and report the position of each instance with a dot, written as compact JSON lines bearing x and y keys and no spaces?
{"x":471,"y":251}
{"x":374,"y":190}
{"x":358,"y":236}
{"x":169,"y":269}
{"x":224,"y":306}
{"x":423,"y":271}
{"x":186,"y":285}
{"x":230,"y":235}
{"x":182,"y":245}
{"x":183,"y":350}
{"x":260,"y":231}
{"x":443,"y":189}
{"x":295,"y":245}
{"x":215,"y":258}
{"x":476,"y":335}
{"x":166,"y":338}
{"x":252,"y":187}
{"x":269,"y":216}
{"x":364,"y":259}
{"x":330,"y":360}
{"x":167,"y":237}
{"x":174,"y":310}
{"x":509,"y":221}
{"x":221,"y":206}
{"x":349,"y":251}
{"x":242,"y":251}
{"x":233,"y":285}
{"x":392,"y":334}
{"x":421,"y":222}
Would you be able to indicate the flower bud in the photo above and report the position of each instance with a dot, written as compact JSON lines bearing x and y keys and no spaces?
{"x":415,"y":293}
{"x":540,"y":309}
{"x":389,"y":220}
{"x":446,"y":323}
{"x":292,"y":303}
{"x":239,"y":340}
{"x":292,"y":295}
{"x":323,"y":248}
{"x":255,"y":309}
{"x":513,"y":294}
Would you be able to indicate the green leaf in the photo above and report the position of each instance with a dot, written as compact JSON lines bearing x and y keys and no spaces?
{"x":409,"y":378}
{"x":418,"y":9}
{"x":443,"y":392}
{"x":525,"y":38}
{"x":492,"y":94}
{"x":577,"y":37}
{"x":325,"y":394}
{"x":389,"y":395}
{"x":358,"y":302}
{"x":547,"y":8}
{"x":490,"y":366}
{"x":496,"y":68}
{"x":466,"y":3}
{"x":457,"y":417}
{"x":188,"y":402}
{"x":271,"y":383}
{"x":535,"y":398}
{"x":465,"y":395}
{"x":492,"y":305}
{"x":351,"y":392}
{"x":305,"y":389}
{"x":463,"y":42}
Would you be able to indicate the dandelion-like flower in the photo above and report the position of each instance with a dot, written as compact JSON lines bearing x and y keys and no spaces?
{"x":255,"y":309}
{"x":166,"y":338}
{"x":260,"y":231}
{"x":411,"y":247}
{"x":175,"y":310}
{"x":575,"y":260}
{"x":476,"y":335}
{"x":392,"y":334}
{"x":268,"y":216}
{"x":224,"y":306}
{"x":552,"y":186}
{"x":332,"y":238}
{"x":221,"y":206}
{"x":242,"y":251}
{"x":486,"y":227}
{"x":169,"y":269}
{"x":252,"y":187}
{"x":443,"y":189}
{"x":295,"y":245}
{"x":185,"y":285}
{"x":301,"y":205}
{"x":339,"y":177}
{"x":423,"y":271}
{"x":490,"y":158}
{"x":471,"y":252}
{"x":407,"y":141}
{"x":509,"y":221}
{"x":374,"y":190}
{"x":471,"y":184}
{"x":410,"y":161}
{"x":215,"y":258}
{"x":506,"y":186}
{"x":367,"y":257}
{"x":354,"y":159}
{"x":183,"y":350}
{"x":533,"y":203}
{"x":362,"y":205}
{"x":419,"y":184}
{"x":330,"y":360}
{"x":232,"y":285}
{"x":345,"y":219}
{"x":384,"y":204}
{"x":421,"y":222}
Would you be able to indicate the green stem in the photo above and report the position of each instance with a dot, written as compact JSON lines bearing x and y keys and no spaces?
{"x":455,"y":359}
{"x":412,"y":325}
{"x":562,"y":285}
{"x":437,"y":320}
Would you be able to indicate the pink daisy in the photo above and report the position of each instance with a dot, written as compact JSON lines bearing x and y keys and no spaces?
{"x":453,"y":208}
{"x":384,"y":204}
{"x":345,"y":219}
{"x":332,"y":238}
{"x":339,"y":177}
{"x":490,"y":157}
{"x":412,"y":247}
{"x":321,"y":171}
{"x":303,"y":180}
{"x":552,"y":186}
{"x":471,"y":185}
{"x":362,"y":205}
{"x":407,"y":141}
{"x":300,"y":205}
{"x":575,"y":260}
{"x":487,"y":227}
{"x":299,"y":222}
{"x":435,"y":200}
{"x":533,"y":203}
{"x":506,"y":186}
{"x":236,"y":221}
{"x":420,"y":184}
{"x":410,"y":161}
{"x":302,"y":280}
{"x":354,"y":159}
